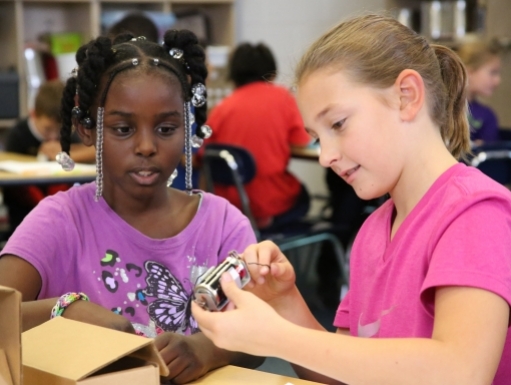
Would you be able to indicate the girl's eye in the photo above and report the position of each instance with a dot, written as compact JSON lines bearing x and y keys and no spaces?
{"x":338,"y":124}
{"x":123,"y":130}
{"x":166,"y":129}
{"x":316,"y":142}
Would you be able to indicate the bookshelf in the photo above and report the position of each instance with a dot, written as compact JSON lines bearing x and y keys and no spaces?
{"x":22,"y":21}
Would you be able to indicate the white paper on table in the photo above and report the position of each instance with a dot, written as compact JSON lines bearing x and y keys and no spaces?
{"x":43,"y":168}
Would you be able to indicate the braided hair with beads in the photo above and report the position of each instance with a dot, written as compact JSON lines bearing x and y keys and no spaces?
{"x":102,"y":58}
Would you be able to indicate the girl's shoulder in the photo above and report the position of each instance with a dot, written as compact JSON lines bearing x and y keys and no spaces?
{"x":214,"y":206}
{"x":76,"y":198}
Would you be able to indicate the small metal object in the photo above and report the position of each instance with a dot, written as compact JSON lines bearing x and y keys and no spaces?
{"x":196,"y":141}
{"x":87,"y":122}
{"x":176,"y":53}
{"x":76,"y":112}
{"x":134,"y":61}
{"x":65,"y":161}
{"x":206,"y":131}
{"x":208,"y":291}
{"x":198,"y":95}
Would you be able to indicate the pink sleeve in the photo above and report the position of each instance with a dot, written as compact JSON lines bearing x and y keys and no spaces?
{"x":342,"y":316}
{"x":474,"y":251}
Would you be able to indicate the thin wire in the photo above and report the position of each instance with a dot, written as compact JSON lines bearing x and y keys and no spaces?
{"x":258,"y":264}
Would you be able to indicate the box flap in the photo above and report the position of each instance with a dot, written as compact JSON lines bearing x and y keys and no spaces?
{"x":74,"y":350}
{"x":5,"y":372}
{"x":10,"y":331}
{"x":234,"y":375}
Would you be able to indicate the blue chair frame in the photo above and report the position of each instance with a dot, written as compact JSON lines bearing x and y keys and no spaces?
{"x":234,"y":166}
{"x":494,"y":160}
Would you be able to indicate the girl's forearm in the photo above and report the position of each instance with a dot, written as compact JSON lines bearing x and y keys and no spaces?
{"x":374,"y":361}
{"x":293,"y":308}
{"x":34,"y":313}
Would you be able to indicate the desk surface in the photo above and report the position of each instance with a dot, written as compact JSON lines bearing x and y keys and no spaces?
{"x":233,"y":375}
{"x":28,"y":178}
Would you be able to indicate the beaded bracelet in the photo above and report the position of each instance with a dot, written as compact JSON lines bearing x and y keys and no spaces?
{"x":64,"y":301}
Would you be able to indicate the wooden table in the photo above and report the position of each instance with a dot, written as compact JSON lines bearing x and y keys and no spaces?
{"x":234,"y":375}
{"x":41,"y":177}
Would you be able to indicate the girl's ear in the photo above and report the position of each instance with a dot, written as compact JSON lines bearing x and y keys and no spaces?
{"x":411,"y":94}
{"x":87,"y":135}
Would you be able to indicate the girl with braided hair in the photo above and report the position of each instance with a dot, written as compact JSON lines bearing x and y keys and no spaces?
{"x":124,"y":252}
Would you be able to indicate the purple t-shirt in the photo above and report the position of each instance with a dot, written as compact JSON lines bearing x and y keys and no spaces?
{"x":483,"y":122}
{"x":459,"y":234}
{"x":77,"y":244}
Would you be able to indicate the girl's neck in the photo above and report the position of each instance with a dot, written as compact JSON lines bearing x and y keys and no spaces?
{"x":424,"y":167}
{"x":157,"y":217}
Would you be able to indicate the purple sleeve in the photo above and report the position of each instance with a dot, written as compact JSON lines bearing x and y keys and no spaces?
{"x":490,"y":130}
{"x":238,"y":233}
{"x":474,"y":251}
{"x":41,"y":240}
{"x":484,"y":123}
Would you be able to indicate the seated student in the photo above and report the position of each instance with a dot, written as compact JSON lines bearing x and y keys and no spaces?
{"x":483,"y":64}
{"x":430,"y":270}
{"x":130,"y":243}
{"x":264,"y":119}
{"x":38,"y":135}
{"x":137,"y":24}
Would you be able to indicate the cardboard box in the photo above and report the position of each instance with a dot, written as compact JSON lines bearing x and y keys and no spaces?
{"x":234,"y":375}
{"x":65,"y":352}
{"x":10,"y":340}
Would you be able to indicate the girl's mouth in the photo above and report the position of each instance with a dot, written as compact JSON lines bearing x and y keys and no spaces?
{"x":348,"y":175}
{"x":145,"y":177}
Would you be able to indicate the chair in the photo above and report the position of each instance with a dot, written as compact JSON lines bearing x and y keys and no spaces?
{"x":494,"y":160}
{"x":230,"y":165}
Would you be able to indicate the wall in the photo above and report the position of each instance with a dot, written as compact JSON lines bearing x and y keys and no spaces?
{"x":288,"y":27}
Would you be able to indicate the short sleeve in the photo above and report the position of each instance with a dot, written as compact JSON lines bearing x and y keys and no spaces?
{"x":42,"y":240}
{"x":238,"y":233}
{"x":474,"y":251}
{"x":343,"y":313}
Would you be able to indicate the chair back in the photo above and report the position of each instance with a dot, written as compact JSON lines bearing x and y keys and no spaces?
{"x":494,"y":160}
{"x":230,"y":165}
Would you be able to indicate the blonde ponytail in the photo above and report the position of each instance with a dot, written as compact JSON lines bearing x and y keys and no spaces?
{"x":455,"y":129}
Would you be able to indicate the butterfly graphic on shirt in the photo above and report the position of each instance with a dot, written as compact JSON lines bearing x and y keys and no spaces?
{"x":171,"y":310}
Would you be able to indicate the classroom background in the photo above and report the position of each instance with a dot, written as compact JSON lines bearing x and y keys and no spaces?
{"x":38,"y":40}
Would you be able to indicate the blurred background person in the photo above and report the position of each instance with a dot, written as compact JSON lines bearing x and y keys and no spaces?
{"x":39,"y":135}
{"x":137,"y":24}
{"x":483,"y":64}
{"x":263,"y":118}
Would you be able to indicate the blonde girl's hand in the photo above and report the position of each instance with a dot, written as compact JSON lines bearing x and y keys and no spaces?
{"x":273,"y":277}
{"x":245,"y":326}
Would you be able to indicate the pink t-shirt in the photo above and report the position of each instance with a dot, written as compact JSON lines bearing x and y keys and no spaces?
{"x":459,"y":234}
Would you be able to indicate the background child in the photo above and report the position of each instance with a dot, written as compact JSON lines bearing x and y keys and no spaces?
{"x":129,"y":242}
{"x":38,"y":135}
{"x":483,"y":64}
{"x":430,"y":277}
{"x":264,"y":119}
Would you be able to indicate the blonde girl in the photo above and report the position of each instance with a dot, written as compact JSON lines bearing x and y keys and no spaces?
{"x":483,"y":64}
{"x":431,"y":268}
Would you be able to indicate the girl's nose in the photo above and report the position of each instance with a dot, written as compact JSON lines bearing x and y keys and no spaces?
{"x":146,"y":144}
{"x":328,"y":154}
